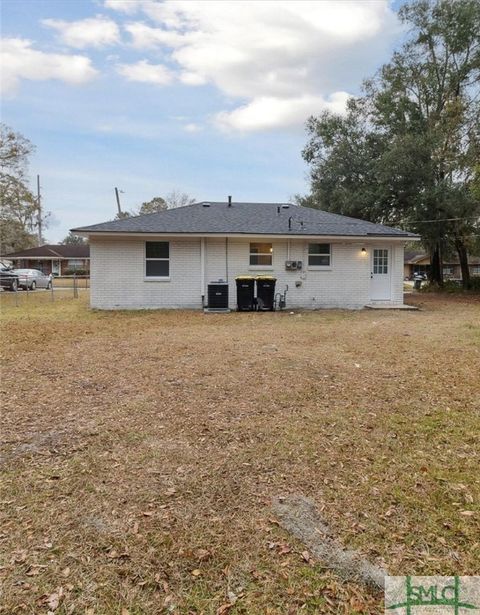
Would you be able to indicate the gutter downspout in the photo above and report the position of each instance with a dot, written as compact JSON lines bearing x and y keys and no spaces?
{"x":226,"y":259}
{"x":202,"y":270}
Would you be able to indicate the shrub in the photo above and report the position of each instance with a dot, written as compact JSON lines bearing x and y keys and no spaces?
{"x":475,"y":284}
{"x":75,"y":272}
{"x":451,"y":286}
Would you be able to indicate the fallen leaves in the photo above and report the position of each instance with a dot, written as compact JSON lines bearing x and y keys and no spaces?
{"x":202,"y":554}
{"x":34,"y":570}
{"x":178,"y":477}
{"x":52,"y":601}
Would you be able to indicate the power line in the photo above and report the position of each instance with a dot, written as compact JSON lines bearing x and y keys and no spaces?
{"x":441,"y":220}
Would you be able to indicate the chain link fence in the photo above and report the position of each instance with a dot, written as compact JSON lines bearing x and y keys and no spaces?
{"x":25,"y":287}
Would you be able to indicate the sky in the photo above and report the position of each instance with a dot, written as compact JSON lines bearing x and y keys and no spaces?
{"x":205,"y":97}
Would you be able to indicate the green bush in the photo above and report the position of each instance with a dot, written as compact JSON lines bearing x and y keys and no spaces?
{"x":75,"y":272}
{"x":475,"y":283}
{"x":452,"y":286}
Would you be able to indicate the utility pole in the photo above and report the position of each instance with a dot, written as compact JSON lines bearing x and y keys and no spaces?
{"x":118,"y":203}
{"x":39,"y":212}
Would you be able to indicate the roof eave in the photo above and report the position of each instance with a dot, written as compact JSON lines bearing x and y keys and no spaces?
{"x":373,"y":236}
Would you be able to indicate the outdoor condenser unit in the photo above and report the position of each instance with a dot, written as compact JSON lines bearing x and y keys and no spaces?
{"x":218,"y":295}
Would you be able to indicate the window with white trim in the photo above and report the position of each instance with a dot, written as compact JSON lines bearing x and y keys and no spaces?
{"x":157,"y":259}
{"x":75,"y":263}
{"x":261,"y":254}
{"x":319,"y":255}
{"x":475,"y":269}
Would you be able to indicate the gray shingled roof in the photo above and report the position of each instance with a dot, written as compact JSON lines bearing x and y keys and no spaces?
{"x":245,"y":218}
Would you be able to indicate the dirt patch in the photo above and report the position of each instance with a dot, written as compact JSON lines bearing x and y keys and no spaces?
{"x":299,"y":516}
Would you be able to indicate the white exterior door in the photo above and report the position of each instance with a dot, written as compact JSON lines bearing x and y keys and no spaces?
{"x":56,"y":267}
{"x":381,"y":275}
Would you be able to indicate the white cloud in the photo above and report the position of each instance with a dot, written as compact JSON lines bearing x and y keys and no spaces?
{"x":192,"y":127}
{"x":192,"y":78}
{"x":268,"y":112}
{"x":20,"y":61}
{"x":144,"y":36}
{"x":284,"y":59}
{"x":145,"y":72}
{"x":124,"y":6}
{"x":92,"y":32}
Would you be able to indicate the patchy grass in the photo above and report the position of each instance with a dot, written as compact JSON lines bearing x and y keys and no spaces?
{"x":140,"y":452}
{"x":67,"y":282}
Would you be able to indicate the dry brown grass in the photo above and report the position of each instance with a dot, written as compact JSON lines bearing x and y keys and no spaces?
{"x":140,"y":453}
{"x":67,"y":282}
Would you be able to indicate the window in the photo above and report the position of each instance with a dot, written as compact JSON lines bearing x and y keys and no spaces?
{"x":75,"y":263}
{"x":319,"y":255}
{"x":261,"y":254}
{"x":380,"y":261}
{"x":476,"y":270}
{"x":447,"y":270}
{"x":157,"y":259}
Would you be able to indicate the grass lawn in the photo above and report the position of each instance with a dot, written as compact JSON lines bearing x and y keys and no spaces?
{"x":140,"y":452}
{"x":67,"y":282}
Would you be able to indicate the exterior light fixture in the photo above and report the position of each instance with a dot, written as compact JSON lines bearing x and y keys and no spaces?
{"x":364,"y":252}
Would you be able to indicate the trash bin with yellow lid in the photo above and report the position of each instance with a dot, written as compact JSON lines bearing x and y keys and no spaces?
{"x":265,"y":293}
{"x":245,"y":293}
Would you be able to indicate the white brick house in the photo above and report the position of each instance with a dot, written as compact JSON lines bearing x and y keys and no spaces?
{"x":168,"y":259}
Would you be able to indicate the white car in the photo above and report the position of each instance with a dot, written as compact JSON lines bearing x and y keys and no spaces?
{"x":33,"y":278}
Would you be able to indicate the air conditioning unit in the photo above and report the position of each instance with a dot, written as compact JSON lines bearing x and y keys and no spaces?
{"x":218,"y":295}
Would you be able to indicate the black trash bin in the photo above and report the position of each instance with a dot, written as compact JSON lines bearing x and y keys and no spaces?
{"x":266,"y":293}
{"x":245,"y":293}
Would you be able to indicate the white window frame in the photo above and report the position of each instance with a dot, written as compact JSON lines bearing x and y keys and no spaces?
{"x":250,"y":254}
{"x":155,"y":278}
{"x":79,"y":263}
{"x":475,"y":269}
{"x":320,"y":267}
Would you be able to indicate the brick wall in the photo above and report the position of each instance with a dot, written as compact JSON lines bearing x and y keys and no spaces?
{"x":118,"y":281}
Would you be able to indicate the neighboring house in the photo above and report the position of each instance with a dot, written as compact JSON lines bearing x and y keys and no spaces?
{"x":167,"y":259}
{"x":61,"y":259}
{"x":415,"y":262}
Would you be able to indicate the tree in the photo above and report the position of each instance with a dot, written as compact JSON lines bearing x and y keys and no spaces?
{"x":150,"y":207}
{"x":121,"y":215}
{"x":19,"y":209}
{"x":407,"y":150}
{"x":15,"y":150}
{"x":72,"y":239}
{"x":172,"y":200}
{"x":14,"y":237}
{"x":176,"y":198}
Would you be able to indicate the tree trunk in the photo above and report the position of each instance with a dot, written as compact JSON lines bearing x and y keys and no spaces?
{"x":463,"y":258}
{"x":436,"y":265}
